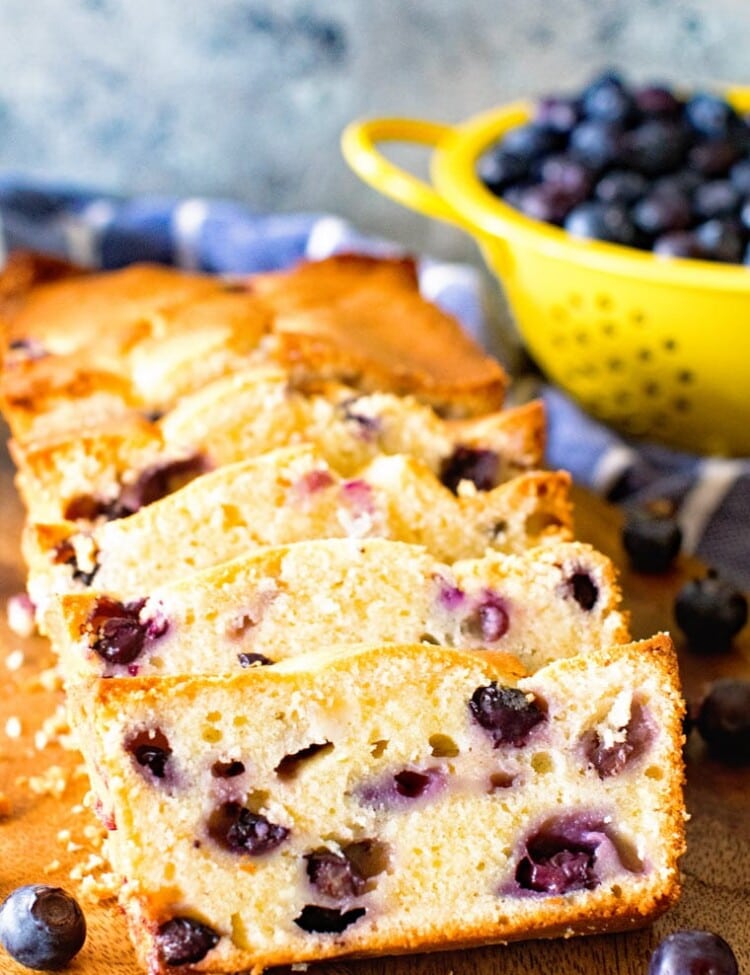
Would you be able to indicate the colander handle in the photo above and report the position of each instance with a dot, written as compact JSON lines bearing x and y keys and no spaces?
{"x":359,"y":144}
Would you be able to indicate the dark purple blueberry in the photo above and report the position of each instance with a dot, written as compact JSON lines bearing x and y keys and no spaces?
{"x":713,"y":159}
{"x":607,"y":99}
{"x":654,"y":147}
{"x":529,"y":142}
{"x":489,"y":619}
{"x":739,"y":176}
{"x":450,"y":596}
{"x":556,"y":113}
{"x":158,"y":481}
{"x":506,"y":713}
{"x":723,"y":720}
{"x":227,"y":770}
{"x":42,"y":927}
{"x":291,"y":764}
{"x":661,"y":213}
{"x":239,"y":830}
{"x":680,"y":244}
{"x":31,"y":348}
{"x":656,"y":100}
{"x":710,"y":611}
{"x":635,"y":737}
{"x":327,"y":920}
{"x":334,"y":875}
{"x":567,"y":853}
{"x":583,"y":589}
{"x":722,"y":239}
{"x":151,"y":750}
{"x":253,"y":660}
{"x":118,"y":633}
{"x":411,"y":783}
{"x":710,"y":115}
{"x":717,"y":198}
{"x":693,"y":953}
{"x":547,"y":202}
{"x":651,"y":540}
{"x":596,"y":144}
{"x":498,"y":169}
{"x":185,"y":941}
{"x":602,"y":221}
{"x":481,"y":467}
{"x":623,"y":186}
{"x":684,"y":181}
{"x":64,"y":553}
{"x":568,"y":175}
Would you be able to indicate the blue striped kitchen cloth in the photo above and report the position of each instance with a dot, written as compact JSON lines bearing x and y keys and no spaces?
{"x":712,"y":495}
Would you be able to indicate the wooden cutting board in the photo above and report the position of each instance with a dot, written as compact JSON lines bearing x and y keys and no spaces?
{"x":47,"y":834}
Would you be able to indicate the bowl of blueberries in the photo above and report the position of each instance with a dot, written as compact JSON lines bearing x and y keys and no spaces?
{"x":617,"y":219}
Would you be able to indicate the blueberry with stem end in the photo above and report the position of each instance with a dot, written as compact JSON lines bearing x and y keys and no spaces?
{"x":42,"y":927}
{"x":693,"y":953}
{"x":710,"y":612}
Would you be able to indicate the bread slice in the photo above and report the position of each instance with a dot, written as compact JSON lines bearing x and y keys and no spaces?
{"x":288,"y":495}
{"x":111,"y":472}
{"x":343,"y":803}
{"x":546,"y":603}
{"x":149,"y":334}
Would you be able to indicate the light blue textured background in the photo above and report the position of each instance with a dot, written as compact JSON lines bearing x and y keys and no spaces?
{"x":247,"y":98}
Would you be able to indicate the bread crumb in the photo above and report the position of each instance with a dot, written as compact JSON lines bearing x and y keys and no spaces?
{"x":15,"y":660}
{"x":52,"y":867}
{"x":20,"y":614}
{"x":13,"y":728}
{"x":52,"y":782}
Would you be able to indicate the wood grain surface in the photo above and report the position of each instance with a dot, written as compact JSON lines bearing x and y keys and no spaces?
{"x":33,"y":849}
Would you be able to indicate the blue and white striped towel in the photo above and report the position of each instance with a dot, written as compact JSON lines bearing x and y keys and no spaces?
{"x":712,"y":495}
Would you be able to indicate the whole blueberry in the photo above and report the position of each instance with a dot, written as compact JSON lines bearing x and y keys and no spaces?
{"x":595,"y":143}
{"x":529,"y":142}
{"x":654,"y":147}
{"x":723,"y":720}
{"x":683,"y":243}
{"x":602,"y":221}
{"x":710,"y":115}
{"x":713,"y":159}
{"x":607,"y":99}
{"x":717,"y":198}
{"x":656,"y":100}
{"x":566,"y":174}
{"x":42,"y":927}
{"x":652,"y":541}
{"x":498,"y":169}
{"x":660,"y":213}
{"x":693,"y":953}
{"x":710,"y":611}
{"x":557,"y":113}
{"x":684,"y":181}
{"x":722,"y":239}
{"x":547,"y":202}
{"x":621,"y":186}
{"x":739,"y":176}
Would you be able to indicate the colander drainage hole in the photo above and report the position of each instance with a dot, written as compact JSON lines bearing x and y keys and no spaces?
{"x":644,"y":355}
{"x":575,"y":300}
{"x":682,"y":405}
{"x":604,"y":302}
{"x":615,"y":365}
{"x":685,"y":376}
{"x":638,"y":317}
{"x":670,"y":345}
{"x":651,"y":389}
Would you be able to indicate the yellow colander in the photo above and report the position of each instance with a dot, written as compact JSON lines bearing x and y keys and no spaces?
{"x":655,"y":347}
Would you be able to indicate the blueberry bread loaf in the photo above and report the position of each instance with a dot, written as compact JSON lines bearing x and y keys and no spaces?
{"x":75,"y":347}
{"x":344,"y":802}
{"x":288,"y":495}
{"x":283,"y":601}
{"x":111,"y":472}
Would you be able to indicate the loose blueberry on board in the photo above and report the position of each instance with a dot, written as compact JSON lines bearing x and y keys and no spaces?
{"x":710,"y":611}
{"x":693,"y":953}
{"x":42,"y":927}
{"x":185,"y":941}
{"x":723,"y":720}
{"x":652,"y":540}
